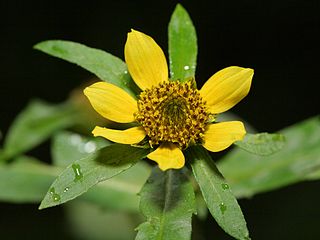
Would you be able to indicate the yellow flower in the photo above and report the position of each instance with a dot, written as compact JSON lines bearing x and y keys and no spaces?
{"x":170,"y":115}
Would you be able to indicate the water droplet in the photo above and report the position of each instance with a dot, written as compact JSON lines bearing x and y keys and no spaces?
{"x":52,"y":190}
{"x":186,"y":67}
{"x":125,"y":72}
{"x":55,"y":197}
{"x":75,"y":139}
{"x":224,"y":186}
{"x":77,"y":172}
{"x":223,"y":207}
{"x":90,"y":147}
{"x":66,"y":189}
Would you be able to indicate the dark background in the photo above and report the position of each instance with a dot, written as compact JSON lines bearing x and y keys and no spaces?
{"x":278,"y":38}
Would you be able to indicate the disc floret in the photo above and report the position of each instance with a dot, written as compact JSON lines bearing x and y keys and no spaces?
{"x":172,"y":112}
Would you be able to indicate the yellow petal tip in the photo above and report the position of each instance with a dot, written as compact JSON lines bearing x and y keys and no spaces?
{"x":220,"y":136}
{"x":132,"y":135}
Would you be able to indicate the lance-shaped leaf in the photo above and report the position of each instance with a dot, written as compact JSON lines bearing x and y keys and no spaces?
{"x":182,"y":45}
{"x":299,"y":160}
{"x":35,"y":124}
{"x":104,"y":65}
{"x":168,"y":202}
{"x":83,"y":174}
{"x":216,"y":192}
{"x":27,"y":180}
{"x":262,"y":143}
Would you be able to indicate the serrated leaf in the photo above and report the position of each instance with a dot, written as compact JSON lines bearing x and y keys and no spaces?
{"x":183,"y":46}
{"x":262,"y":143}
{"x":299,"y":160}
{"x":104,"y":65}
{"x":216,"y":192}
{"x":168,"y":202}
{"x":68,"y":147}
{"x":36,"y":123}
{"x":83,"y":174}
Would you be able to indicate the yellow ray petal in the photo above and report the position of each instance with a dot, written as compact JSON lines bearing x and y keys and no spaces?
{"x":168,"y":155}
{"x":220,"y":136}
{"x":226,"y":88}
{"x":111,"y":102}
{"x":146,"y":61}
{"x":129,"y":136}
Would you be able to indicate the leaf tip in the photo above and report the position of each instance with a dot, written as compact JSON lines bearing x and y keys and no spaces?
{"x":39,"y":45}
{"x":41,"y":206}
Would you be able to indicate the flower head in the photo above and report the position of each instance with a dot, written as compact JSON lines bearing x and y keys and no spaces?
{"x":170,"y":115}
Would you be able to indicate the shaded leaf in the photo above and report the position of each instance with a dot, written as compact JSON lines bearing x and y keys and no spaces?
{"x":299,"y":160}
{"x":35,"y":124}
{"x":104,"y":65}
{"x":83,"y":174}
{"x":262,"y":143}
{"x":168,"y":202}
{"x":182,"y":45}
{"x":68,"y":147}
{"x":216,"y":192}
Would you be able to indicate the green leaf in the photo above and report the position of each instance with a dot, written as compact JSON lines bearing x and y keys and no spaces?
{"x":216,"y":192}
{"x":68,"y":147}
{"x":182,"y":45}
{"x":168,"y":202}
{"x":262,"y":143}
{"x":35,"y":124}
{"x":83,"y":174}
{"x":104,"y":65}
{"x":25,"y":180}
{"x":119,"y":192}
{"x":299,"y":160}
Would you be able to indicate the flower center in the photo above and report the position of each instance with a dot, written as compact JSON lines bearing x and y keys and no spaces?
{"x":172,"y":112}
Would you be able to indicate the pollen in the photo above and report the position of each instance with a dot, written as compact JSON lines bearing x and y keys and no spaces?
{"x":172,"y":112}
